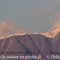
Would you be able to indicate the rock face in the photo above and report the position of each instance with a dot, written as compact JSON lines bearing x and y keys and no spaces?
{"x":36,"y":45}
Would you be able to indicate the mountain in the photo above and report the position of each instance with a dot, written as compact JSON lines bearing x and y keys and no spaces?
{"x":29,"y":47}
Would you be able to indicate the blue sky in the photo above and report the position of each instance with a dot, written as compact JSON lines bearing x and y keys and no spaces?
{"x":33,"y":15}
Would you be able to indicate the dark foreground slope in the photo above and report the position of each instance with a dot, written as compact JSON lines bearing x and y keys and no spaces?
{"x":36,"y":45}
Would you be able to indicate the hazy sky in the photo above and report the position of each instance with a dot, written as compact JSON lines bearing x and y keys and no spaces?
{"x":33,"y":15}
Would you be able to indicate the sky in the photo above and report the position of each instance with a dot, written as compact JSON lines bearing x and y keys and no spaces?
{"x":30,"y":15}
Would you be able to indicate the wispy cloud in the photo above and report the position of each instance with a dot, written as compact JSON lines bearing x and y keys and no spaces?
{"x":48,"y":9}
{"x":7,"y":27}
{"x":43,"y":12}
{"x":55,"y":29}
{"x":58,"y":14}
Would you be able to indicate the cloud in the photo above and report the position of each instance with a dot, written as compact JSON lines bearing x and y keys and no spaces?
{"x":55,"y":29}
{"x":35,"y":12}
{"x":48,"y":9}
{"x":58,"y":14}
{"x":57,"y":21}
{"x":38,"y":14}
{"x":7,"y":27}
{"x":56,"y":17}
{"x":44,"y":12}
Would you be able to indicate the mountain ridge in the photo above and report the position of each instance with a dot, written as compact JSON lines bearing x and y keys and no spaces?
{"x":22,"y":45}
{"x":21,"y":34}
